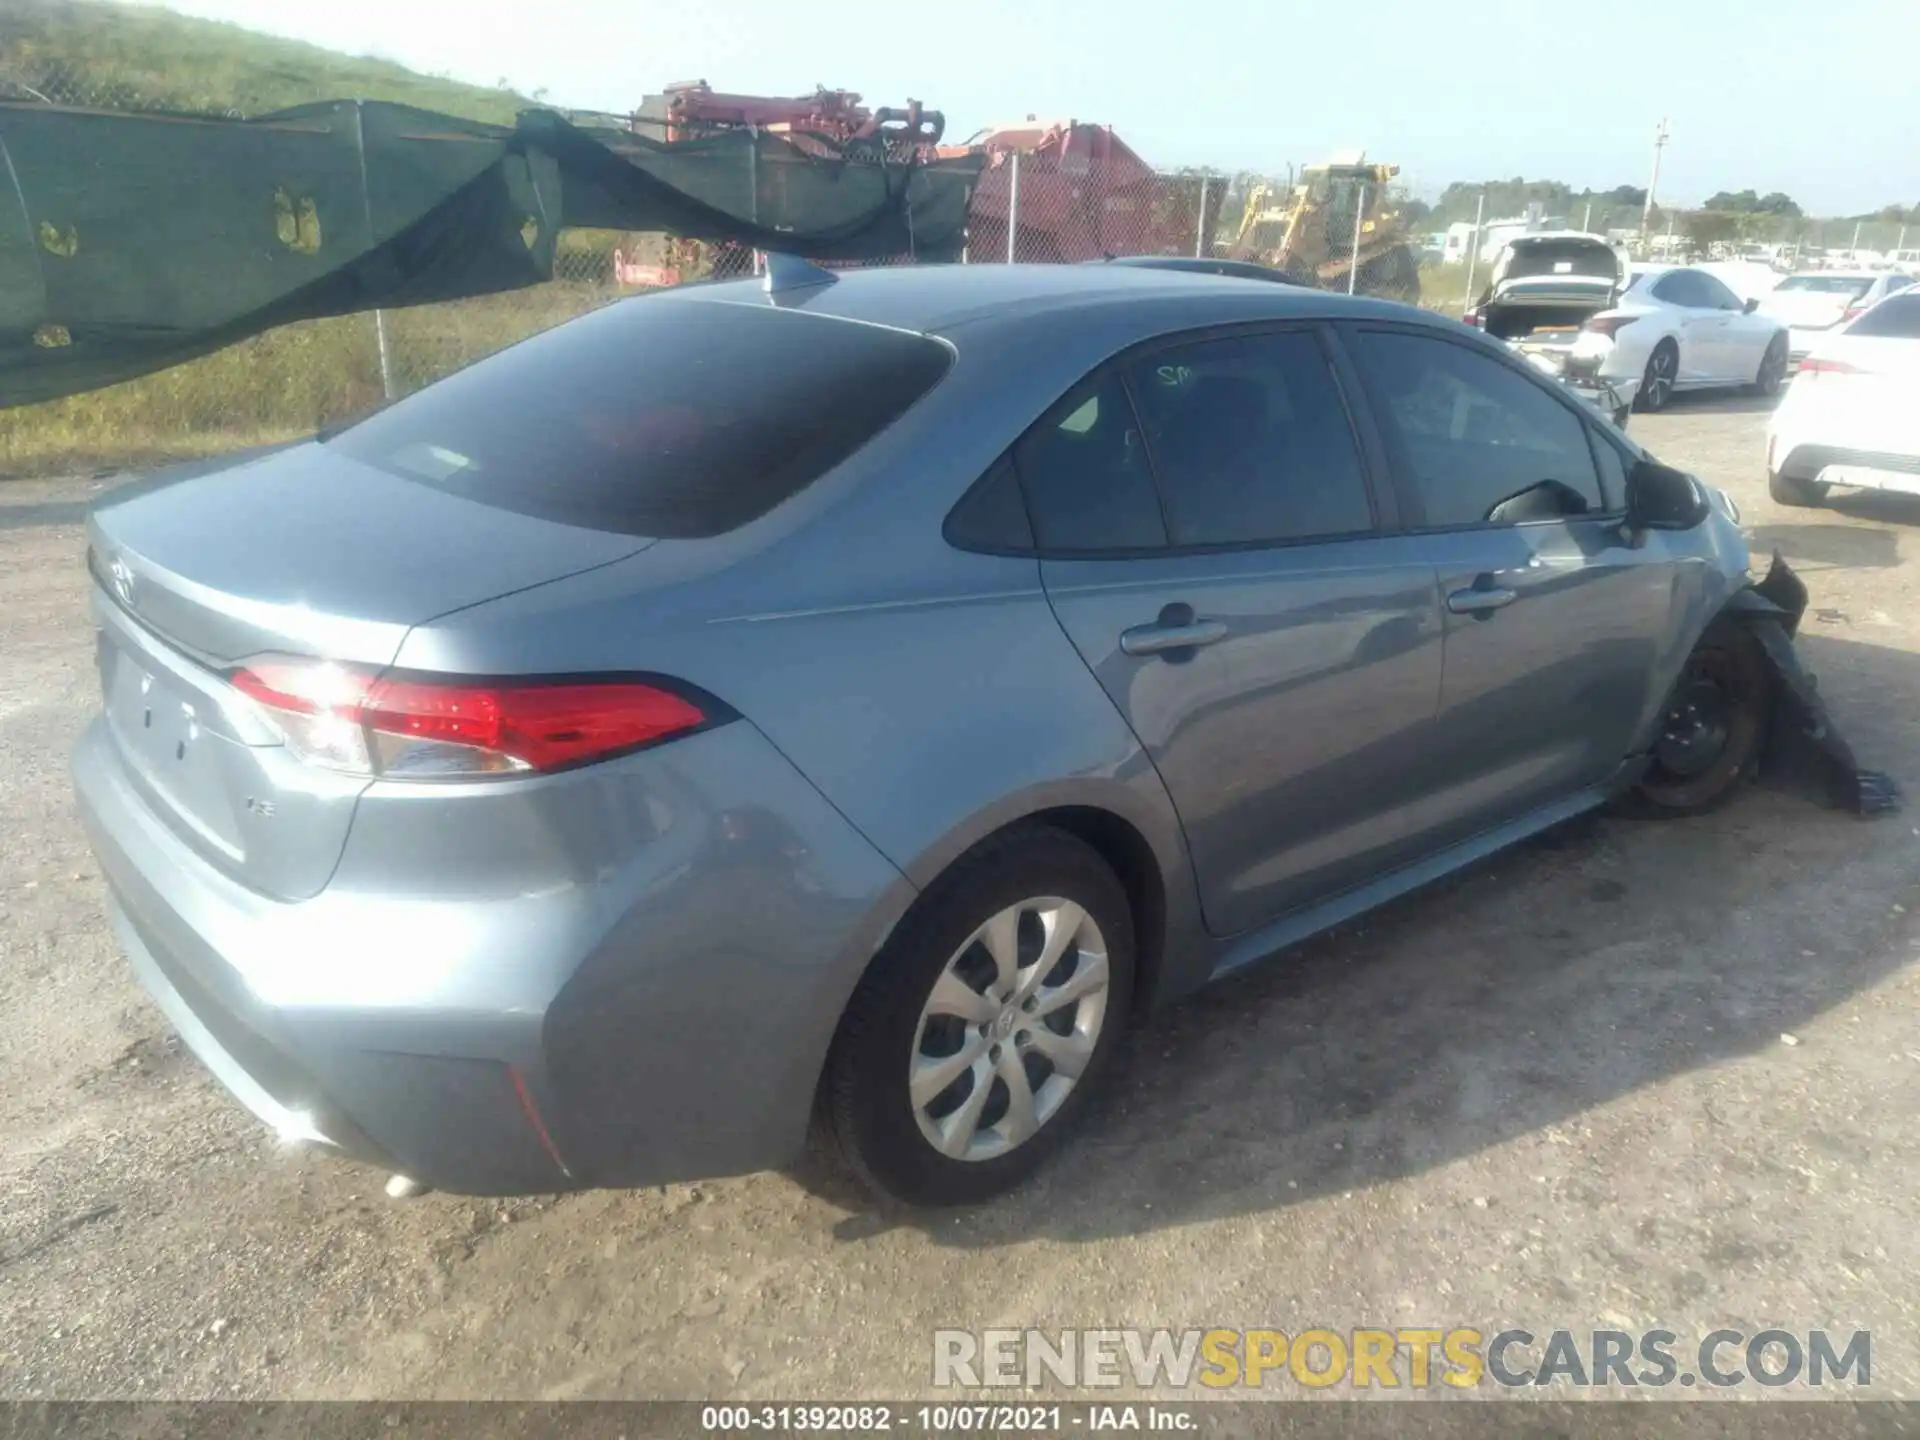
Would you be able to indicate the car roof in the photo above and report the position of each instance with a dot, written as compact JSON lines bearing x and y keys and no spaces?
{"x":939,"y":299}
{"x":1836,"y":274}
{"x":1198,"y":265}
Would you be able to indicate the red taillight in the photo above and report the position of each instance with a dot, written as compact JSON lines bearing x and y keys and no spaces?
{"x":1817,"y":365}
{"x":354,"y":719}
{"x":1608,"y":325}
{"x":1853,"y":312}
{"x":1472,"y":317}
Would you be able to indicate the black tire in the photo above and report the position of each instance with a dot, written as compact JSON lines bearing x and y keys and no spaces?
{"x":1773,"y":369}
{"x":1791,"y":490}
{"x":867,"y":1113}
{"x":1656,"y":384}
{"x":1710,"y":738}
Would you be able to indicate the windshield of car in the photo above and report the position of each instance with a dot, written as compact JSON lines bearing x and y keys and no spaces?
{"x":655,"y":417}
{"x":1847,"y":285}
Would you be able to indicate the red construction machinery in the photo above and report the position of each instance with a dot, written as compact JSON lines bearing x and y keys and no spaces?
{"x":1074,"y":191}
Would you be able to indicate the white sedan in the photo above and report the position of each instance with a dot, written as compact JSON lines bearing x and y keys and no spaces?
{"x":1812,"y":302}
{"x":1677,"y":328}
{"x":1852,"y":415}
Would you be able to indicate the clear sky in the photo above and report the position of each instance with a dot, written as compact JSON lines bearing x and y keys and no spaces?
{"x":1819,"y":98}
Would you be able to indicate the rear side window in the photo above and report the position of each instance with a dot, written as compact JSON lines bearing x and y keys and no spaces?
{"x":1895,"y":318}
{"x":1089,"y":487}
{"x":1483,"y":444}
{"x":1250,"y":441}
{"x":655,"y":417}
{"x":1683,"y":287}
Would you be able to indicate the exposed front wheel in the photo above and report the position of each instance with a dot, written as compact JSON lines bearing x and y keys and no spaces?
{"x":1656,"y":385}
{"x":1710,"y":736}
{"x":985,"y":1027}
{"x":1791,"y":490}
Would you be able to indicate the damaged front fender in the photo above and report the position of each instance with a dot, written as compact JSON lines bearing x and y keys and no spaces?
{"x":1802,"y":735}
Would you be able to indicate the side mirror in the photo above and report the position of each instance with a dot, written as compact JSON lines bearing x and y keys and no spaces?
{"x":1753,"y":304}
{"x":1660,"y":497}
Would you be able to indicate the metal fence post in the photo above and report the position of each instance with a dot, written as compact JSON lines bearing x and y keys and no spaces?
{"x":366,"y":210}
{"x":1359,"y":215}
{"x":386,"y":353}
{"x":1013,"y":208}
{"x":1473,"y":251}
{"x":1200,"y":228}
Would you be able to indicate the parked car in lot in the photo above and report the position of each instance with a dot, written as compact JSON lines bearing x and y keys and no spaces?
{"x":849,"y":704}
{"x":1678,"y":328}
{"x":1813,"y":302}
{"x":1852,"y":415}
{"x":1541,"y":291}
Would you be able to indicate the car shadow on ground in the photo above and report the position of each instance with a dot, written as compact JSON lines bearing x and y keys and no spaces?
{"x":46,"y":512}
{"x":1718,"y":402}
{"x":1814,"y":546}
{"x":1601,"y":958}
{"x":1886,"y":506}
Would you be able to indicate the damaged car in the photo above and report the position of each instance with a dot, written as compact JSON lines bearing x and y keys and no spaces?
{"x":1542,"y":290}
{"x":578,"y":773}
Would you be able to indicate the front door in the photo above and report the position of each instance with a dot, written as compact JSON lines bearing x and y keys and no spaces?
{"x":1211,"y":548}
{"x":1554,"y":623}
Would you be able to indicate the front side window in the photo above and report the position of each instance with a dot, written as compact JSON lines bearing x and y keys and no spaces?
{"x":1482,"y":444}
{"x":1250,"y":441}
{"x":1718,"y":296}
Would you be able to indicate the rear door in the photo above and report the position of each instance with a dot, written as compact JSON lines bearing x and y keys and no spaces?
{"x":1553,"y":621}
{"x":1212,"y":545}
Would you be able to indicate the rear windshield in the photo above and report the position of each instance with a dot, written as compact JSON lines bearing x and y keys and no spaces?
{"x":1894,"y":319}
{"x":655,"y":416}
{"x":1562,"y":257}
{"x":1848,"y":285}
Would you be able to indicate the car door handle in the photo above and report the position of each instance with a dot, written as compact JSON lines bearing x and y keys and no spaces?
{"x":1157,"y":638}
{"x":1481,"y":602}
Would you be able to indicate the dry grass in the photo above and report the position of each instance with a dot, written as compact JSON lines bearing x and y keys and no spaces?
{"x":287,"y":382}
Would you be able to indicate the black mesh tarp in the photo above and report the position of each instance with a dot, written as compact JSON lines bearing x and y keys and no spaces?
{"x":129,"y":242}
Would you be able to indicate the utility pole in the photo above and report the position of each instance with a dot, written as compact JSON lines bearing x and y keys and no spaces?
{"x":1473,"y":249}
{"x":1659,"y":144}
{"x":1586,"y":220}
{"x":1853,"y":256}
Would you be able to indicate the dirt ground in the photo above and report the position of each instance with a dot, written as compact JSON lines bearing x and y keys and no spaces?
{"x":1631,"y":1074}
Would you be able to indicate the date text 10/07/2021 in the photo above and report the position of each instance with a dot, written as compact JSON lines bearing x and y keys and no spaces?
{"x":944,"y":1419}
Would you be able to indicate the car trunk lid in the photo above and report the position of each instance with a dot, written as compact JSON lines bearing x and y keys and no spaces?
{"x":1548,"y":286}
{"x":302,"y":552}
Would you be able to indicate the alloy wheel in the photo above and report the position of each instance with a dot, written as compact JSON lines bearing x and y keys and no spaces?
{"x":1010,"y":1026}
{"x":1659,"y":382}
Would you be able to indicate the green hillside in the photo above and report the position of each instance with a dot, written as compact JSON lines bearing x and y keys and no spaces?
{"x":137,"y":56}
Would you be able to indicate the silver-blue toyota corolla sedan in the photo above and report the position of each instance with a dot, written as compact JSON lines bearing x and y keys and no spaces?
{"x":846,"y":703}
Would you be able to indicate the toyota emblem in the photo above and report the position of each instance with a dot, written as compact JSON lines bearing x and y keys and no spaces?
{"x":122,"y":576}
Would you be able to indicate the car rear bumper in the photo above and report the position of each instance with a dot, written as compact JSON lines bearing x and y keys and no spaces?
{"x":659,"y":1014}
{"x":1865,"y":469}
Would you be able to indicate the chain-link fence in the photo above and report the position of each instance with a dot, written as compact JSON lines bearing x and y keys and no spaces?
{"x":1060,"y":196}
